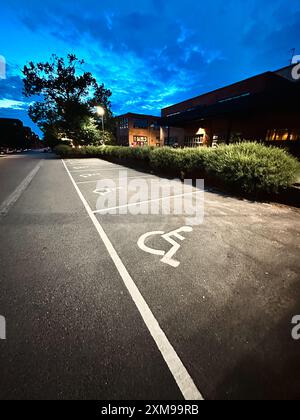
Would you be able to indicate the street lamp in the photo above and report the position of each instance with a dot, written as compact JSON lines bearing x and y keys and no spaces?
{"x":101,"y":112}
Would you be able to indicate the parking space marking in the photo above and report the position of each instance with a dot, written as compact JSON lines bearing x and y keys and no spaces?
{"x":167,"y":256}
{"x":128,"y":177}
{"x":97,"y":169}
{"x":155,"y":200}
{"x":89,"y":175}
{"x":106,"y":190}
{"x":173,"y":361}
{"x":14,"y":197}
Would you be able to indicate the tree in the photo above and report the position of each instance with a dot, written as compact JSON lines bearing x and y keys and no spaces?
{"x":67,"y":97}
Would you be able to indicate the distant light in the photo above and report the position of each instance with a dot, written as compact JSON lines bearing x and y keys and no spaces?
{"x":100,"y":111}
{"x":201,"y":131}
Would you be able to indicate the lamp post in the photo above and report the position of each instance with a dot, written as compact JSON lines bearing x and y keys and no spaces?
{"x":101,"y":112}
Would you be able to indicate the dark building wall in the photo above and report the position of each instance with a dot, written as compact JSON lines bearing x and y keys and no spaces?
{"x":11,"y":133}
{"x":262,"y":108}
{"x":253,"y":85}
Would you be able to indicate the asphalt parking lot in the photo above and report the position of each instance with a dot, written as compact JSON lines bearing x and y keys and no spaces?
{"x":173,"y":310}
{"x":228,"y":306}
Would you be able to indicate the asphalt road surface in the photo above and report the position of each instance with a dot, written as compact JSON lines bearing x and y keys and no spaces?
{"x":96,"y":306}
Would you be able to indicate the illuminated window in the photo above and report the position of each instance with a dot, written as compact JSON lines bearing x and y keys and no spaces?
{"x":193,"y":141}
{"x":283,"y":135}
{"x":140,"y":140}
{"x":295,"y":135}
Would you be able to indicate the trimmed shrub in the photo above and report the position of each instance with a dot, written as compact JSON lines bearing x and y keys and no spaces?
{"x":253,"y":167}
{"x":63,"y":150}
{"x":247,"y":167}
{"x":192,"y":161}
{"x":166,"y":160}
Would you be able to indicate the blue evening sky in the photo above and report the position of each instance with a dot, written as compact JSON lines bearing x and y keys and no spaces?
{"x":150,"y":53}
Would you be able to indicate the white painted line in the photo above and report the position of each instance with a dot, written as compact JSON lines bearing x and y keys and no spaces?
{"x":177,"y":369}
{"x":96,"y":169}
{"x":128,"y":177}
{"x":13,"y":198}
{"x":146,"y":202}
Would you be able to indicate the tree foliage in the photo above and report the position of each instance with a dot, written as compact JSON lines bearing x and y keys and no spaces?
{"x":66,"y":99}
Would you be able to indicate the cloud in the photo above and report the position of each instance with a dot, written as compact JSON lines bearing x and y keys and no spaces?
{"x":11,"y":88}
{"x":157,"y":52}
{"x":10,"y":104}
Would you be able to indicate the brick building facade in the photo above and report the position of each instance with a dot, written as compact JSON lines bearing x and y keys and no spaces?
{"x":264,"y":108}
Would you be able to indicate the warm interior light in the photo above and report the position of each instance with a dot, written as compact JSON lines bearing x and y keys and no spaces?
{"x":200,"y":132}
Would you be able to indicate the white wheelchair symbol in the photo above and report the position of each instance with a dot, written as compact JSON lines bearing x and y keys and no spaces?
{"x":105,"y":190}
{"x":167,"y":256}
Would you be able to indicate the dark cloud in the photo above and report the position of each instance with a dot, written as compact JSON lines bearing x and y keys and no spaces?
{"x":153,"y":53}
{"x":11,"y":88}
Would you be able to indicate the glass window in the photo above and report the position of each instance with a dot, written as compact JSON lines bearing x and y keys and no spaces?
{"x":123,"y":123}
{"x":140,"y":140}
{"x":193,"y":141}
{"x":283,"y":135}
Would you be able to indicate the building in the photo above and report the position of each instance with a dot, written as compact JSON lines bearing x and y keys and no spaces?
{"x":13,"y":135}
{"x":139,"y":130}
{"x":264,"y":108}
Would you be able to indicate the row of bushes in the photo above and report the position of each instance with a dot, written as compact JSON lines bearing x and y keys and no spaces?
{"x":248,"y":167}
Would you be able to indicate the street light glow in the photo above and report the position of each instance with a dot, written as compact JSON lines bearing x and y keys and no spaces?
{"x":100,"y":111}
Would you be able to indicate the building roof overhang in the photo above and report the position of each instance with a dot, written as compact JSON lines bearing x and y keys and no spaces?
{"x":283,"y":95}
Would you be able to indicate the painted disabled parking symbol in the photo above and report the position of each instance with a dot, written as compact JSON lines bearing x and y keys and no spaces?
{"x":171,"y":238}
{"x":105,"y":190}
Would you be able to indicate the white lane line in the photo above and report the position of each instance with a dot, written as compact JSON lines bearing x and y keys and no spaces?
{"x":128,"y":177}
{"x":13,"y":198}
{"x":96,"y":169}
{"x":176,"y":367}
{"x":147,"y":202}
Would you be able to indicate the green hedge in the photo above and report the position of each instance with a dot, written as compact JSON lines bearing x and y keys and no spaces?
{"x":254,"y":167}
{"x":248,"y":167}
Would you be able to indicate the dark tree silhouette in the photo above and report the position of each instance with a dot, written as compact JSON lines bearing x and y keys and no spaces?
{"x":66,"y":99}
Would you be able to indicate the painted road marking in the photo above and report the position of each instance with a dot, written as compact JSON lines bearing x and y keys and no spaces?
{"x":128,"y":177}
{"x":88,"y":175}
{"x":13,"y":198}
{"x":146,"y":202}
{"x":174,"y":363}
{"x":105,"y":190}
{"x":167,"y":257}
{"x":98,"y":169}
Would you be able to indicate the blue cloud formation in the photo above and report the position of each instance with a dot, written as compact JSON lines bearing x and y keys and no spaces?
{"x":150,"y":53}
